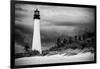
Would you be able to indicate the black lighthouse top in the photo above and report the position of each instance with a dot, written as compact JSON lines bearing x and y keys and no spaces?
{"x":36,"y":14}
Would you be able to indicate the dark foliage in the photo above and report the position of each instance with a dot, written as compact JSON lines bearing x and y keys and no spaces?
{"x":19,"y":55}
{"x":88,"y":41}
{"x":61,"y":44}
{"x":34,"y":53}
{"x":45,"y":52}
{"x":27,"y":54}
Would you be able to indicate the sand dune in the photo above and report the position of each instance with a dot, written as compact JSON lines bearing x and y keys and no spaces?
{"x":58,"y":58}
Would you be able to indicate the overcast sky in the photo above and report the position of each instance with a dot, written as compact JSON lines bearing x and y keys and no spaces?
{"x":57,"y":19}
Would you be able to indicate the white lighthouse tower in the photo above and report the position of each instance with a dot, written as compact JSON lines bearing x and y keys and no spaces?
{"x":36,"y":44}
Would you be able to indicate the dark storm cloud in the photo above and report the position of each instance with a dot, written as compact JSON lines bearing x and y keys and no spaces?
{"x":20,"y":8}
{"x":56,"y":19}
{"x":18,"y":15}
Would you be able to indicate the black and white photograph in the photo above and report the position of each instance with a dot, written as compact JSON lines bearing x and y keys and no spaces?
{"x":46,"y":33}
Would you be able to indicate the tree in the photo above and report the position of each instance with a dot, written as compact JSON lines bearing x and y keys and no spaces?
{"x":58,"y":43}
{"x":64,"y":42}
{"x":26,"y":48}
{"x":70,"y":40}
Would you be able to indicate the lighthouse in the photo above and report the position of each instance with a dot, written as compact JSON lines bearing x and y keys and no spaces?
{"x":36,"y":43}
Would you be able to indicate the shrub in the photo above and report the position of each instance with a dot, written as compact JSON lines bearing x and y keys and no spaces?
{"x":45,"y":52}
{"x":34,"y":53}
{"x":19,"y":55}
